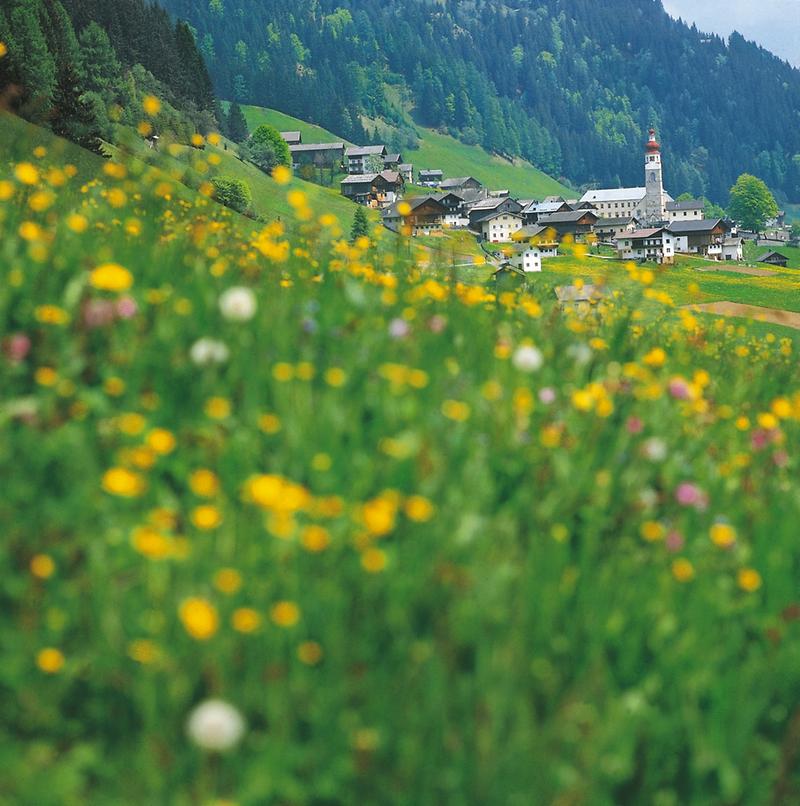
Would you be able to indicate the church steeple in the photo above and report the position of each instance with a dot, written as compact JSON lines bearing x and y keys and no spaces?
{"x":654,"y":203}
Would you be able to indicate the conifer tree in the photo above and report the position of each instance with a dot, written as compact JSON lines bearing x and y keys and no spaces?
{"x":360,"y":228}
{"x":237,"y":125}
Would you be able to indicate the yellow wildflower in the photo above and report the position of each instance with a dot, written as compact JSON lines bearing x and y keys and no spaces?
{"x":50,"y":660}
{"x":199,"y":618}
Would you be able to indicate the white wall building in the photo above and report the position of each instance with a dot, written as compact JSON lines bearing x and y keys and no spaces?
{"x":655,"y":244}
{"x":529,"y":260}
{"x":685,"y":210}
{"x":499,"y":228}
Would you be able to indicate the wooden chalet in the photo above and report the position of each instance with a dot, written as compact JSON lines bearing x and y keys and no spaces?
{"x":292,"y":138}
{"x":773,"y":259}
{"x":704,"y":237}
{"x":533,"y":210}
{"x":461,"y":183}
{"x":427,"y":214}
{"x":322,"y":155}
{"x":373,"y":190}
{"x":577,"y":223}
{"x":431,"y":177}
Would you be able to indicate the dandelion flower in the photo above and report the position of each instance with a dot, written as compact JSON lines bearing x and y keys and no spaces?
{"x":215,"y":725}
{"x":527,"y":359}
{"x":238,"y":304}
{"x":111,"y":277}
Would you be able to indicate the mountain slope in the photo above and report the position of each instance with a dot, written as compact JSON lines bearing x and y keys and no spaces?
{"x":437,"y":151}
{"x":572,"y":85}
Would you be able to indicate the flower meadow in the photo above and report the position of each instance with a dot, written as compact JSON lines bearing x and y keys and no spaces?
{"x":289,"y":520}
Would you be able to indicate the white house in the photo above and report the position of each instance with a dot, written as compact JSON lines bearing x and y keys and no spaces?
{"x":685,"y":210}
{"x":619,"y":203}
{"x":529,"y":259}
{"x":656,"y":244}
{"x":357,"y":158}
{"x":732,"y":249}
{"x":499,"y":227}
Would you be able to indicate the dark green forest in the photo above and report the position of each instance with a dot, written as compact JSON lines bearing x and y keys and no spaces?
{"x":82,"y":66}
{"x":571,"y":85}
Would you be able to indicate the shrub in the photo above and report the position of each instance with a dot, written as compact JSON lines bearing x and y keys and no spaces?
{"x":233,"y":193}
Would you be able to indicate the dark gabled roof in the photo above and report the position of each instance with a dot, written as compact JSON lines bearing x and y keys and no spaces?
{"x":693,"y":204}
{"x":767,"y":255}
{"x":701,"y":225}
{"x":365,"y":151}
{"x":431,"y":172}
{"x":442,"y":196}
{"x":413,"y":202}
{"x":359,"y":179}
{"x":571,"y":217}
{"x":393,"y":158}
{"x":508,"y":267}
{"x":458,"y":181}
{"x":616,"y":222}
{"x":489,"y":215}
{"x":317,"y":147}
{"x":544,"y":207}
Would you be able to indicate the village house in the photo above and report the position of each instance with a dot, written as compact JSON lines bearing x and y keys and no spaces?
{"x":685,"y":210}
{"x":373,"y":190}
{"x":508,"y":278}
{"x":431,"y":178}
{"x":498,"y":226}
{"x":774,"y":259}
{"x":733,"y":249}
{"x":616,"y":203}
{"x":292,"y":138}
{"x":526,"y":257}
{"x":322,"y":155}
{"x":358,"y":157}
{"x":656,"y":244}
{"x":543,"y":238}
{"x":455,"y":216}
{"x":703,"y":237}
{"x":579,"y":297}
{"x":461,"y":183}
{"x":608,"y":229}
{"x":480,"y":209}
{"x":533,"y":210}
{"x":406,"y":170}
{"x":577,"y":223}
{"x":392,"y":162}
{"x":426,"y":216}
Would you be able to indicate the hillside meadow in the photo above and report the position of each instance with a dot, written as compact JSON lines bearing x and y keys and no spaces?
{"x":290,"y":520}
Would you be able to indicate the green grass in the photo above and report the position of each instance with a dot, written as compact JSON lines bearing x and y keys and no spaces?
{"x":258,"y":115}
{"x":443,"y":548}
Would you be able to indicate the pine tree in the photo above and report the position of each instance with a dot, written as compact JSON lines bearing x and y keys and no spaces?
{"x":360,"y":228}
{"x":101,"y":68}
{"x":237,"y":125}
{"x":34,"y":62}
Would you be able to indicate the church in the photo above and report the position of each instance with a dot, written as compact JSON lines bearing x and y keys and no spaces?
{"x":647,"y":204}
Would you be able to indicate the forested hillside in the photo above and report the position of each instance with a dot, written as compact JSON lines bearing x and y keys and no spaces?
{"x":571,"y":85}
{"x":82,"y":66}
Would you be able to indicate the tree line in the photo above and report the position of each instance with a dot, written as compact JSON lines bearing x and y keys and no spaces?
{"x":572,"y":85}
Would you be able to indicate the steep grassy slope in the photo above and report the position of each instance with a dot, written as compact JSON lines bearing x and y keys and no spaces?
{"x":438,"y":151}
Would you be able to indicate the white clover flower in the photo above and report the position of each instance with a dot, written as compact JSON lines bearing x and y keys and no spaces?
{"x":215,"y":725}
{"x":655,"y":449}
{"x":527,"y":359}
{"x":238,"y":304}
{"x":205,"y":352}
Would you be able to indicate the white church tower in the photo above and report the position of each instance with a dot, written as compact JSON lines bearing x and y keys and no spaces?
{"x":655,"y":208}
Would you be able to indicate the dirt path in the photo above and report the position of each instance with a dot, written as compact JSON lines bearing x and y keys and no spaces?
{"x":752,"y":271}
{"x":773,"y":315}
